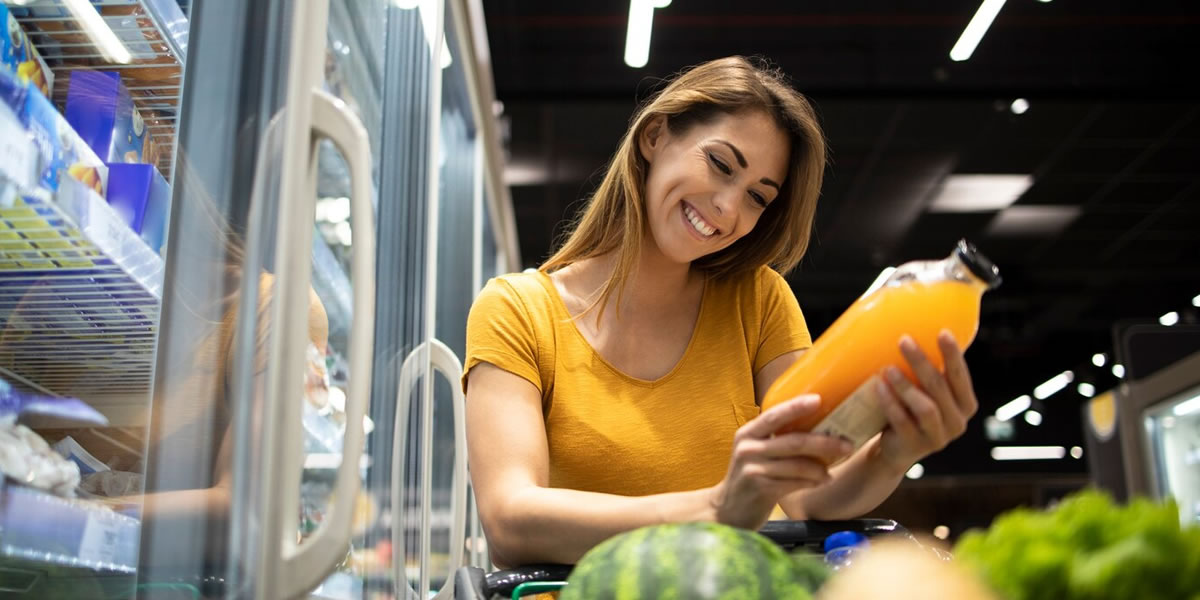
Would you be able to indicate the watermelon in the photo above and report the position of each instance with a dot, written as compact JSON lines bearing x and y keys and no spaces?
{"x":685,"y":561}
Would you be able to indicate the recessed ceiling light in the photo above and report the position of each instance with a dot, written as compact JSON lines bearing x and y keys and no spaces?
{"x":916,"y":471}
{"x":1013,"y":408}
{"x":979,"y":192}
{"x":965,"y":46}
{"x":1196,"y":301}
{"x":1033,"y":417}
{"x":1032,"y":220}
{"x":1099,"y":359}
{"x":1086,"y":390}
{"x":1076,"y":452}
{"x":1169,"y":319}
{"x":1019,"y":106}
{"x":1028,"y":452}
{"x":1118,"y":370}
{"x":941,"y":532}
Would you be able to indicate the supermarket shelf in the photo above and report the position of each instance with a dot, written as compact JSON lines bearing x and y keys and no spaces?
{"x":155,"y":33}
{"x":66,"y":532}
{"x":79,"y":297}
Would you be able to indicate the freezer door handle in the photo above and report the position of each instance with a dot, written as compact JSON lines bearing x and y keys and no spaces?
{"x":305,"y":565}
{"x":443,"y":360}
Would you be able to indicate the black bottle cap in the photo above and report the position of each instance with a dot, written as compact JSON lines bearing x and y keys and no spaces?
{"x":979,"y":264}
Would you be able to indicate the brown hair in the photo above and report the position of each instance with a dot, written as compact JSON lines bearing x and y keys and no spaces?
{"x":614,"y":220}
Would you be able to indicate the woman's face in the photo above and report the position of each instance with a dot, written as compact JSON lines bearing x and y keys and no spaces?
{"x":707,"y":187}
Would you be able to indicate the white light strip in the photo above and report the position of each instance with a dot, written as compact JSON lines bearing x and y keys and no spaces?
{"x":978,"y":26}
{"x":1028,"y":452}
{"x":98,"y":30}
{"x":1013,"y":408}
{"x":1169,"y":319}
{"x":1054,"y":385}
{"x":1187,"y":407}
{"x":637,"y":38}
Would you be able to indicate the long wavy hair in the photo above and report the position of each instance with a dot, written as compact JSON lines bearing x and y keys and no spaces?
{"x":614,"y":220}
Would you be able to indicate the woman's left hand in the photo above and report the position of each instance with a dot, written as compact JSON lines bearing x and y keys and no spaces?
{"x":924,"y":419}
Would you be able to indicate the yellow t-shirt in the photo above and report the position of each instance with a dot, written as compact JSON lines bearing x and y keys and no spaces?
{"x":612,"y":433}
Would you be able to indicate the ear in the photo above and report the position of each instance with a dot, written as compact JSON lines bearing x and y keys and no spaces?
{"x":652,"y":136}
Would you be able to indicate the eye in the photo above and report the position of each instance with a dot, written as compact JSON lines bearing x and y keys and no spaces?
{"x":759,"y":199}
{"x":722,"y":167}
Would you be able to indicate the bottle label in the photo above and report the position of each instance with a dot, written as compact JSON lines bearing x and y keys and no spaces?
{"x":858,"y":418}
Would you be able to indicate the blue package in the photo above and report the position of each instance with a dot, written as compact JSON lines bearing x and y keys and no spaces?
{"x":100,"y":108}
{"x":61,"y":151}
{"x":142,"y":197}
{"x":14,"y":402}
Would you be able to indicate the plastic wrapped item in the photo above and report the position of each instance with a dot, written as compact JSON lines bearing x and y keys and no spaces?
{"x":15,"y":404}
{"x":112,"y":484}
{"x":26,"y":458}
{"x":100,"y":108}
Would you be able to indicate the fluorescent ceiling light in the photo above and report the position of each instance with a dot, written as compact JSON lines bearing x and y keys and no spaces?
{"x":637,"y":37}
{"x":1033,"y":417}
{"x":98,"y":30}
{"x":1028,"y":452}
{"x":880,"y":280}
{"x":1019,"y":106}
{"x":1118,"y":370}
{"x":1032,"y":220}
{"x":1187,"y":407}
{"x":1014,"y":408}
{"x":979,"y":193}
{"x":1169,"y":319}
{"x":1099,"y":359}
{"x":978,"y":26}
{"x":1053,"y":385}
{"x":916,"y":471}
{"x":1086,"y":390}
{"x":1076,"y":452}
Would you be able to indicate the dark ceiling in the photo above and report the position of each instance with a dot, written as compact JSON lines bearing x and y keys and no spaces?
{"x":1111,"y":138}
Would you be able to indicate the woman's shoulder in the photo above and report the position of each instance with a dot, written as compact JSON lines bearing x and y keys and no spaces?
{"x":525,"y":291}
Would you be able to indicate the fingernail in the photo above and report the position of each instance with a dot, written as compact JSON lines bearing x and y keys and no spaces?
{"x":894,"y":375}
{"x":846,"y":447}
{"x":810,"y":401}
{"x":907,"y":343}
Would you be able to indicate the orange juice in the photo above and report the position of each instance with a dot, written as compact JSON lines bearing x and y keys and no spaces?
{"x":920,"y":299}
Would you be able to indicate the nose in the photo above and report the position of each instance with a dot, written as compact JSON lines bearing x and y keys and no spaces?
{"x":724,"y":205}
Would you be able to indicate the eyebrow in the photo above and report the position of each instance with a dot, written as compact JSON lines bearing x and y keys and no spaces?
{"x":741,"y":158}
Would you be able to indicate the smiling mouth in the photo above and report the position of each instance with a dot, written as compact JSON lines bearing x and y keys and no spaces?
{"x":697,"y":222}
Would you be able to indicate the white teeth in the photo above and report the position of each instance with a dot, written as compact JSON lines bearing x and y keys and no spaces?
{"x":697,"y":223}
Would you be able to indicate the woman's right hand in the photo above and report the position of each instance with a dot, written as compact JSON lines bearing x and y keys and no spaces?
{"x":767,"y":465}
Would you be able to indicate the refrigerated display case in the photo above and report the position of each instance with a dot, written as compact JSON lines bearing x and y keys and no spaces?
{"x":1159,"y":421}
{"x":335,"y":202}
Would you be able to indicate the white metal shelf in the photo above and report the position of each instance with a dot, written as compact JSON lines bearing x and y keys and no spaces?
{"x":67,"y":532}
{"x":155,"y":33}
{"x":79,"y":296}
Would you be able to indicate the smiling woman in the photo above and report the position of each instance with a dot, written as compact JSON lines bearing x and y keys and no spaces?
{"x":619,"y":385}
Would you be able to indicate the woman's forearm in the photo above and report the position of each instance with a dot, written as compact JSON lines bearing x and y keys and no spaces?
{"x":553,"y":525}
{"x":859,"y":485}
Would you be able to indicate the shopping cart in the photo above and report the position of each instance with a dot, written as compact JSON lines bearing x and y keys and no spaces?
{"x":472,"y":583}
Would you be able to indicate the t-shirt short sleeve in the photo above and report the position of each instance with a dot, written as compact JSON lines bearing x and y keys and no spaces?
{"x":500,"y":331}
{"x":783,"y":328}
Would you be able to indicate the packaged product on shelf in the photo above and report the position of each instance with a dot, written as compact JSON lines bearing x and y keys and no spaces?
{"x":62,"y":152}
{"x":16,"y":404}
{"x":27,"y":459}
{"x":19,"y":56}
{"x":101,"y":110}
{"x":142,"y":197}
{"x":18,"y":164}
{"x":70,"y":449}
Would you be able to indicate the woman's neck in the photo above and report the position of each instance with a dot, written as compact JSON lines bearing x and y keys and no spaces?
{"x":656,"y":283}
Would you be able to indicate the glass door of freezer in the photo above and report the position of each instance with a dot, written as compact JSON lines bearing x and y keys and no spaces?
{"x":217,"y":239}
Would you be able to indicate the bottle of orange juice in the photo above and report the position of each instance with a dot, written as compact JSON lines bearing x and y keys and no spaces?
{"x":919,"y":299}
